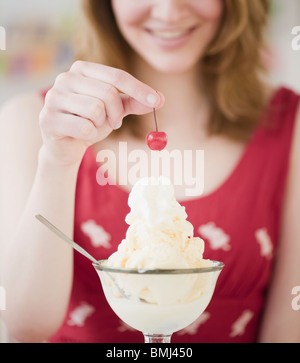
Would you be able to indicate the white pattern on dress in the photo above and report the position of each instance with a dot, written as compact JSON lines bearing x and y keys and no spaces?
{"x":97,"y":234}
{"x":265,"y":243}
{"x":215,"y":236}
{"x":192,"y":329}
{"x":79,"y":315}
{"x":238,"y":328}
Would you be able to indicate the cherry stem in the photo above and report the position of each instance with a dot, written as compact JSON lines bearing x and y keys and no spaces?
{"x":155,"y":119}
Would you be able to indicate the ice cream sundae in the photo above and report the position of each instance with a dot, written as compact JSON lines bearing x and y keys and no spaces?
{"x":157,"y":281}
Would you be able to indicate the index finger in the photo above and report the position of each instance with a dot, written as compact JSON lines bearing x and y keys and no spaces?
{"x":120,"y":79}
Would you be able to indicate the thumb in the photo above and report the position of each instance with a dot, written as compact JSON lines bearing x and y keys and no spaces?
{"x":132,"y":106}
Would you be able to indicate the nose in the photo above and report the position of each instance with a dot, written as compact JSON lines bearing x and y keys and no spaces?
{"x":170,"y":11}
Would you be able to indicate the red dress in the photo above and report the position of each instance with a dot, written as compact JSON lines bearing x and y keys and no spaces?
{"x":239,"y":223}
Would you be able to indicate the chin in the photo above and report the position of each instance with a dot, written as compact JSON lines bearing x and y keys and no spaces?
{"x":173,"y":62}
{"x":173,"y":66}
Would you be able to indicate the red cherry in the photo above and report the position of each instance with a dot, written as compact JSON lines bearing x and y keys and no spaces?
{"x":157,"y":140}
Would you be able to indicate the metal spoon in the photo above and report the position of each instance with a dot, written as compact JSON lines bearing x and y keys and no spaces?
{"x":77,"y":248}
{"x":66,"y":238}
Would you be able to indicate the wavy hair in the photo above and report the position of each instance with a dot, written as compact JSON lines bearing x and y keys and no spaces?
{"x":232,"y":65}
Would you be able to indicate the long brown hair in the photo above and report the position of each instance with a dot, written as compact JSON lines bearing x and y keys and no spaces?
{"x":232,"y":66}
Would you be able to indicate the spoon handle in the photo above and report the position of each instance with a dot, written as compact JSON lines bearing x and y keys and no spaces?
{"x":65,"y":238}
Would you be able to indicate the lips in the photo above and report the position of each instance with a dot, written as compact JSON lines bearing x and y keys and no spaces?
{"x":169,"y":34}
{"x":168,"y":38}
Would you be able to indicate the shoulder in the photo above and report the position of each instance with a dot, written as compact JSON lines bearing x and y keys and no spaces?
{"x":19,"y":117}
{"x":295,"y":155}
{"x":294,"y":108}
{"x":287,"y":267}
{"x":25,"y":104}
{"x":290,"y":224}
{"x":20,"y":137}
{"x":292,"y":194}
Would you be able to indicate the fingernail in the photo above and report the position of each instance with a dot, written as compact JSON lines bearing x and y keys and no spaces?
{"x":118,"y":125}
{"x":152,"y":99}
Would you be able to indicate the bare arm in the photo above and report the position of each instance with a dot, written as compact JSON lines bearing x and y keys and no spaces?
{"x":36,"y":269}
{"x":83,"y":107}
{"x":281,"y":324}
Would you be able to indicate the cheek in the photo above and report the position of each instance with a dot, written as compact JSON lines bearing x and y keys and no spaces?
{"x":129,"y":12}
{"x":209,"y":10}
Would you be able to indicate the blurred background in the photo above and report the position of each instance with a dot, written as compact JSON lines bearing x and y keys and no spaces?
{"x":38,"y":43}
{"x":39,"y":46}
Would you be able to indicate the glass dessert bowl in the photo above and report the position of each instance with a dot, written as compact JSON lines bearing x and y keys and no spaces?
{"x":158,"y":302}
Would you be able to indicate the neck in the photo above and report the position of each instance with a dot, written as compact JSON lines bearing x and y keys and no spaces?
{"x":185,"y":106}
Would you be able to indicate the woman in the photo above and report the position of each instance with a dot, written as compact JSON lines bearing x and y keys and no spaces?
{"x":199,"y":63}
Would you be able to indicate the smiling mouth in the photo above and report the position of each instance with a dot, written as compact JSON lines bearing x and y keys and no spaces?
{"x":170,"y":34}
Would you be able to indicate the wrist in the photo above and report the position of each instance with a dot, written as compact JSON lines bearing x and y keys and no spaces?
{"x":47,"y":162}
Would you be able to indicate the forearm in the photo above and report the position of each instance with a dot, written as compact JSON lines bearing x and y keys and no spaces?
{"x":37,"y":269}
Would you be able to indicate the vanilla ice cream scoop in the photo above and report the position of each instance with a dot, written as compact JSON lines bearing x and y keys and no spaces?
{"x":159,"y":235}
{"x":152,"y":202}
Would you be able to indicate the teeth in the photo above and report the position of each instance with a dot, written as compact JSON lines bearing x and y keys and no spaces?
{"x":170,"y":34}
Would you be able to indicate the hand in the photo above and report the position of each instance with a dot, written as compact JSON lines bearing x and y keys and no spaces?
{"x":86,"y":104}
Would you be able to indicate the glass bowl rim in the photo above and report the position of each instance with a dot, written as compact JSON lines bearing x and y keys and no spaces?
{"x":218,"y":266}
